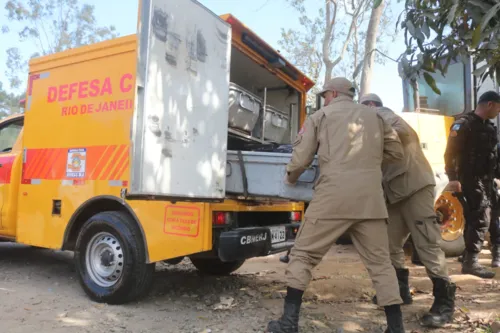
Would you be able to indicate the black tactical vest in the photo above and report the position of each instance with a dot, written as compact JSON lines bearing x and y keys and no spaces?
{"x":479,"y":156}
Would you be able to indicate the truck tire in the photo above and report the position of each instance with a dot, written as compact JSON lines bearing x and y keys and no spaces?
{"x":174,"y":261}
{"x":110,"y":259}
{"x":214,"y":266}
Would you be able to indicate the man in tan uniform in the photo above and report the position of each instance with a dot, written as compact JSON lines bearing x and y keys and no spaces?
{"x":409,"y":189}
{"x":351,"y":141}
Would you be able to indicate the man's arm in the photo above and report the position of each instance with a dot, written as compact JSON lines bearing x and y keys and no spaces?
{"x":304,"y":149}
{"x":454,"y":149}
{"x":399,"y":125}
{"x":393,"y":149}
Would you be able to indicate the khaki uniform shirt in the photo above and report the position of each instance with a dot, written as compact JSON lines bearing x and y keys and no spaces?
{"x":413,"y":173}
{"x":351,"y":141}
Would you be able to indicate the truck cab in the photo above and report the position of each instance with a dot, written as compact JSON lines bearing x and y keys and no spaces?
{"x":122,"y":154}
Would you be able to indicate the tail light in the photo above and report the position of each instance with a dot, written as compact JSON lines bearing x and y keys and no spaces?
{"x":221,"y":218}
{"x":295,"y":216}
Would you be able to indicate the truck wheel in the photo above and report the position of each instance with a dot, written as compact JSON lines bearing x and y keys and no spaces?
{"x":214,"y":266}
{"x":110,"y":259}
{"x":450,"y":214}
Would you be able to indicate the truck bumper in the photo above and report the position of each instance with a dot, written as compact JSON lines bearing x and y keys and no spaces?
{"x":246,"y":243}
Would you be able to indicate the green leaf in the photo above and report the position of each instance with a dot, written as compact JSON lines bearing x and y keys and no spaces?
{"x":416,"y":33}
{"x":428,"y":64}
{"x":436,"y":42}
{"x":451,"y":14}
{"x":377,"y":3}
{"x":489,"y":15}
{"x":405,"y":63}
{"x":411,"y":28}
{"x":481,"y":4}
{"x":432,"y":83}
{"x":476,"y":37}
{"x":480,"y":71}
{"x":426,"y":30}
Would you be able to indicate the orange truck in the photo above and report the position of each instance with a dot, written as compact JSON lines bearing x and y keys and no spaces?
{"x":121,"y":153}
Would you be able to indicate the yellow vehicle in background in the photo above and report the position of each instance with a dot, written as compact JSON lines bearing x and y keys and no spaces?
{"x":460,"y":91}
{"x":120,"y":155}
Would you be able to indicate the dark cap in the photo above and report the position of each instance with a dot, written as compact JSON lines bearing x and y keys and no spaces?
{"x":489,"y":96}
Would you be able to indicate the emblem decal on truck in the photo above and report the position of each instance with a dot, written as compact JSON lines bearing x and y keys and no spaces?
{"x":245,"y":240}
{"x":75,"y":166}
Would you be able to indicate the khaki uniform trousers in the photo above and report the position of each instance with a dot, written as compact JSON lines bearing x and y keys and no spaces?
{"x":316,"y":237}
{"x":415,"y":215}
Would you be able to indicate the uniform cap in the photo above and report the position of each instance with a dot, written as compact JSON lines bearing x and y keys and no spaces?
{"x":370,"y":98}
{"x":340,"y":85}
{"x":489,"y":96}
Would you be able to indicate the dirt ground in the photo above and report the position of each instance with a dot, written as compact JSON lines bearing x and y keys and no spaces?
{"x":39,"y":292}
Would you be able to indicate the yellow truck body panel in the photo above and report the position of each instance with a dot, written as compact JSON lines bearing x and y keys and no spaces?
{"x":74,"y":150}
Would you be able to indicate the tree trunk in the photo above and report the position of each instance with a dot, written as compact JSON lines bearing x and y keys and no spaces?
{"x":370,"y":46}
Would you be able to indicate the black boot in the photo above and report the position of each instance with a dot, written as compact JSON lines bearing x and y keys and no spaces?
{"x":289,"y":321}
{"x":394,"y":319}
{"x":443,"y":307}
{"x":495,"y":253}
{"x":472,"y":266}
{"x":404,"y":286}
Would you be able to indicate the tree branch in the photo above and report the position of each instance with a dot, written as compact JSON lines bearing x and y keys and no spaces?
{"x":330,"y":23}
{"x":348,"y":37}
{"x":49,"y":44}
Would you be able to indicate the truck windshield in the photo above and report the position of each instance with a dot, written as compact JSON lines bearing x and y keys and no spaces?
{"x":452,"y":99}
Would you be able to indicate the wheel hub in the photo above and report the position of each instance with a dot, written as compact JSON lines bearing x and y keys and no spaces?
{"x":449,"y":211}
{"x":104,"y":259}
{"x":107,"y":258}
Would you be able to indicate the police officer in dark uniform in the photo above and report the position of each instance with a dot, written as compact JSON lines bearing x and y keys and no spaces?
{"x":495,"y":220}
{"x":471,"y":164}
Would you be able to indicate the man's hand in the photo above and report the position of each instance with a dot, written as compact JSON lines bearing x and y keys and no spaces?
{"x":454,"y":186}
{"x":287,"y":182}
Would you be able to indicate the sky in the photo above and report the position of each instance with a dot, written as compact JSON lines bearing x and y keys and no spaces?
{"x":264,"y":17}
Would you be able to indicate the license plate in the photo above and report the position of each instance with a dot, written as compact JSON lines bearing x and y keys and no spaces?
{"x":278,"y":234}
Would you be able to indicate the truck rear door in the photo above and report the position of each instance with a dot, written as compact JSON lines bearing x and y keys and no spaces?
{"x":179,"y":131}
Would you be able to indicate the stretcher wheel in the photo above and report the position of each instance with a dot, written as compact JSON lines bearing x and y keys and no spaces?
{"x":450,"y":214}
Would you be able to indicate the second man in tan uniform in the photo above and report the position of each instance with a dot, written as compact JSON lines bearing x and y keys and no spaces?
{"x":351,"y":141}
{"x":409,"y":189}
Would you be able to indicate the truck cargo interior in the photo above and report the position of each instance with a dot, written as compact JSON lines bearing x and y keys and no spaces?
{"x":253,"y":85}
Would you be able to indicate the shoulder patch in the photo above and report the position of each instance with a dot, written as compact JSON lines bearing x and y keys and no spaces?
{"x":453,"y":134}
{"x":456,"y":127}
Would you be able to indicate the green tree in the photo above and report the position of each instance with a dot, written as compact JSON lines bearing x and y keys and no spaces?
{"x":50,"y":26}
{"x":9,"y":102}
{"x":333,"y":42}
{"x":438,"y":32}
